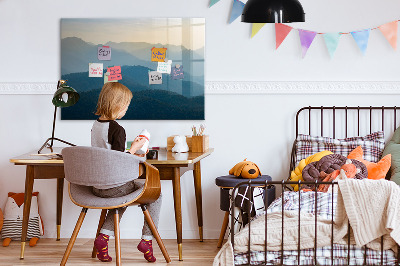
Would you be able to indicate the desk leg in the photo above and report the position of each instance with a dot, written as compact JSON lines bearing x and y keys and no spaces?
{"x":199,"y":204}
{"x":60,"y":190}
{"x":27,"y":206}
{"x":176,"y":182}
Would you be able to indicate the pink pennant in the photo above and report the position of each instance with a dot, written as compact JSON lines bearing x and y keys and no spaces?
{"x":281,"y":31}
{"x":306,"y":38}
{"x":389,"y":30}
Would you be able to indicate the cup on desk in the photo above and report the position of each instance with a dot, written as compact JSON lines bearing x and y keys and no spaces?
{"x":152,"y":155}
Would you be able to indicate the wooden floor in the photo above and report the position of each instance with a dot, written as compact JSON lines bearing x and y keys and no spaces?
{"x":50,"y":252}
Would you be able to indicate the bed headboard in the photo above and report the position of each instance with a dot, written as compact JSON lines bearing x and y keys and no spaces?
{"x":344,"y":121}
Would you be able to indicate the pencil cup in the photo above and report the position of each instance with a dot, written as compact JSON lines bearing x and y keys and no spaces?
{"x":200,"y":143}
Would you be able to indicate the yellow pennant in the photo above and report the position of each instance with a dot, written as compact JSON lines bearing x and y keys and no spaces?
{"x":256,"y":28}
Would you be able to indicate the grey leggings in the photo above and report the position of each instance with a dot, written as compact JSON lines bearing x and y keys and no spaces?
{"x":154,"y":208}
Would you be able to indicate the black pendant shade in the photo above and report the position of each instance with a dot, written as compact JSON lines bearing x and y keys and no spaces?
{"x":273,"y":11}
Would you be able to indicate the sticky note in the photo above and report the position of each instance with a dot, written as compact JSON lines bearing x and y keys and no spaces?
{"x":155,"y":77}
{"x":115,"y":73}
{"x":164,"y":67}
{"x":95,"y":70}
{"x":177,"y":72}
{"x":104,"y":53}
{"x":106,"y":75}
{"x":158,"y":54}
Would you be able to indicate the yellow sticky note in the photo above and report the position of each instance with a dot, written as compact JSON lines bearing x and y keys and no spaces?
{"x":158,"y":54}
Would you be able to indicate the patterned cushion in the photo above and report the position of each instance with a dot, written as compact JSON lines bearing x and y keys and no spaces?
{"x":372,"y":144}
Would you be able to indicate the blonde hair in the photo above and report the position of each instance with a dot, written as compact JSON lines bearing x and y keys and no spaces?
{"x":112,"y":99}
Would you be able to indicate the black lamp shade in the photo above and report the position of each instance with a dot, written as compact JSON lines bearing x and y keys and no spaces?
{"x":273,"y":11}
{"x":65,"y":96}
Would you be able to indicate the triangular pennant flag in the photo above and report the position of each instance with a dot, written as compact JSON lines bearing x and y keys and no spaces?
{"x":237,"y":9}
{"x":306,"y":38}
{"x":332,"y":41}
{"x":281,"y":31}
{"x":390,"y":32}
{"x":255,"y":28}
{"x":361,"y":37}
{"x":213,"y":2}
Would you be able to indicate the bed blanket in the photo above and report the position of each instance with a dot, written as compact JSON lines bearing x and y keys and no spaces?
{"x":371,"y":207}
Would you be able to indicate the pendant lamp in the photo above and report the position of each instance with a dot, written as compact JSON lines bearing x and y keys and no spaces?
{"x":64,"y":96}
{"x":272,"y":11}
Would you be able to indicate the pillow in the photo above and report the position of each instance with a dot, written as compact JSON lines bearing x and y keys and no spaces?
{"x":372,"y":144}
{"x":375,"y":170}
{"x":393,"y":148}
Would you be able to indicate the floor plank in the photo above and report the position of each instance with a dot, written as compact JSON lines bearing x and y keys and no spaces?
{"x":50,"y":252}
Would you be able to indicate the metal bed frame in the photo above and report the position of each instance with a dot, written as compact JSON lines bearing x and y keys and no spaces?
{"x":283,"y":184}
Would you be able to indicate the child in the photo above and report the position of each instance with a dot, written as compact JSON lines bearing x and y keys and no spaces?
{"x":114,"y":100}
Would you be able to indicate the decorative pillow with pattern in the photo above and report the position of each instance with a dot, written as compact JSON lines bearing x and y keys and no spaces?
{"x":372,"y":145}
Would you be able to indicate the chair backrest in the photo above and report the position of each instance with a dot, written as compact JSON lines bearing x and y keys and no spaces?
{"x":92,"y":166}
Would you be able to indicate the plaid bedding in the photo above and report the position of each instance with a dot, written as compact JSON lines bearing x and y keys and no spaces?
{"x":372,"y":145}
{"x":323,"y":207}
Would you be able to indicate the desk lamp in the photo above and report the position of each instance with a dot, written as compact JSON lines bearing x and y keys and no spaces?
{"x":273,"y":11}
{"x":65,"y":96}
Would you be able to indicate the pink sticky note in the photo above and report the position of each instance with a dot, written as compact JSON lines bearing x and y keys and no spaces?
{"x":115,"y":73}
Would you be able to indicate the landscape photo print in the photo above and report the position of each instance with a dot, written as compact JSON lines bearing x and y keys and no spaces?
{"x":161,"y":60}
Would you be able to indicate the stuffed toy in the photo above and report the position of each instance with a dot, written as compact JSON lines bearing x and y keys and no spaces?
{"x":180,"y":144}
{"x":13,"y":215}
{"x":296,"y":174}
{"x":375,"y":170}
{"x":245,"y":169}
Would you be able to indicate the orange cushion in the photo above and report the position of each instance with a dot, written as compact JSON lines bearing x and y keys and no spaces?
{"x":375,"y":170}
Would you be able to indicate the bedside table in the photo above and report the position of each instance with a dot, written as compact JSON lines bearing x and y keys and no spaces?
{"x":228,"y":182}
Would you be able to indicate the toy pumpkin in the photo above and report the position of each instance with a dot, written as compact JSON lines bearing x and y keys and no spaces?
{"x":245,"y":169}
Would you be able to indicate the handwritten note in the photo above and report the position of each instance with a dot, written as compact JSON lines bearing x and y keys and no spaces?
{"x":158,"y":54}
{"x":164,"y":67}
{"x":115,"y":73}
{"x":155,"y":77}
{"x":95,"y":70}
{"x":177,"y":72}
{"x":104,"y":53}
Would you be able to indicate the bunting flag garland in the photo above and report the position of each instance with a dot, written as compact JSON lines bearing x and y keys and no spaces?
{"x":389,"y":30}
{"x":256,"y":27}
{"x":213,"y":2}
{"x":306,"y":39}
{"x":237,"y":9}
{"x":281,"y":31}
{"x":332,"y":41}
{"x":361,"y":38}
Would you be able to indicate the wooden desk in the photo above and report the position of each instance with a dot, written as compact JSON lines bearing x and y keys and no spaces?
{"x":170,"y":165}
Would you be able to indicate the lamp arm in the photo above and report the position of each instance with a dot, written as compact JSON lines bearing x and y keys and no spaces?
{"x":54,"y":126}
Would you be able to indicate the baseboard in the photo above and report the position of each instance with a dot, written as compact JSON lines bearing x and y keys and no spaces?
{"x":247,"y":87}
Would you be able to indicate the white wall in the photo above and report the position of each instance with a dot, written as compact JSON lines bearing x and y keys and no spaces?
{"x":258,"y":126}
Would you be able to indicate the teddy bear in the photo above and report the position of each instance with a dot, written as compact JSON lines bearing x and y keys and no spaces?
{"x":13,"y":215}
{"x":180,"y":144}
{"x":245,"y":169}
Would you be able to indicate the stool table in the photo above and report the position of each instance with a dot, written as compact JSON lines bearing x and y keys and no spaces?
{"x":228,"y":182}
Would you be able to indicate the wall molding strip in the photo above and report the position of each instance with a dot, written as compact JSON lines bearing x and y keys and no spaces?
{"x":247,"y":87}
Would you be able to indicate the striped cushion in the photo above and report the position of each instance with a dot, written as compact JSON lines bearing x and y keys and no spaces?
{"x":372,"y":145}
{"x":13,"y":228}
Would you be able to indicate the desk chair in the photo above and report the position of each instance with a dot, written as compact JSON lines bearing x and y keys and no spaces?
{"x":85,"y":167}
